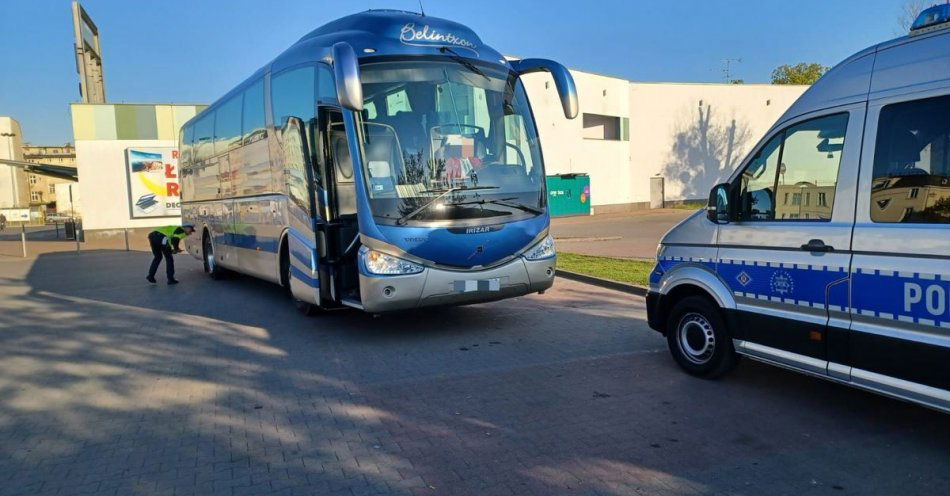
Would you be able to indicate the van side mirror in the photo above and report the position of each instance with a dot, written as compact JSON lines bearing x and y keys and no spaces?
{"x":717,"y":210}
{"x":346,"y":73}
{"x":563,"y":80}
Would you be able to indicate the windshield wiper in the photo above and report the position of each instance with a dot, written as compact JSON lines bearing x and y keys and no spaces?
{"x":505,"y":202}
{"x":402,"y":220}
{"x":461,"y":60}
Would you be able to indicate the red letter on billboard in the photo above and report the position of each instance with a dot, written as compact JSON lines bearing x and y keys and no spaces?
{"x":170,"y":171}
{"x":175,"y":154}
{"x":172,"y":189}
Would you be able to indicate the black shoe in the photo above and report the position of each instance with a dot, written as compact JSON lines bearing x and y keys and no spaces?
{"x":150,"y":279}
{"x":172,"y":281}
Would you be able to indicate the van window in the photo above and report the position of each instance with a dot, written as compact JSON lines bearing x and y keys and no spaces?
{"x":292,"y":95}
{"x":227,"y":125}
{"x":911,"y":180}
{"x":253,"y":112}
{"x":794,"y":176}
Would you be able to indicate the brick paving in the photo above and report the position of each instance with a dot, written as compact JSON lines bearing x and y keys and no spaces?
{"x":111,"y":386}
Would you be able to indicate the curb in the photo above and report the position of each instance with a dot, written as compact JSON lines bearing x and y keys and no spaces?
{"x":603,"y":283}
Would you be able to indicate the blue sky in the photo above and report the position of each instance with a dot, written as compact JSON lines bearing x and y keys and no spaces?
{"x":192,"y":51}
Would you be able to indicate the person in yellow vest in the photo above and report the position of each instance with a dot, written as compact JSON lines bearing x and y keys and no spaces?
{"x":164,"y":243}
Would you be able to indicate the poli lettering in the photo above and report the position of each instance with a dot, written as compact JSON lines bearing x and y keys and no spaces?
{"x":932,"y":298}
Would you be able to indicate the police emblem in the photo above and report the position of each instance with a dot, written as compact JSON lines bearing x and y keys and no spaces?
{"x":782,"y":283}
{"x":744,"y":278}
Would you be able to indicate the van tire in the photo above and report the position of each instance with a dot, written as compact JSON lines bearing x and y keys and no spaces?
{"x":699,"y":339}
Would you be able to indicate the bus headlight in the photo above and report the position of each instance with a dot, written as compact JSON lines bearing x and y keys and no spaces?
{"x":542,"y":250}
{"x":388,"y":265}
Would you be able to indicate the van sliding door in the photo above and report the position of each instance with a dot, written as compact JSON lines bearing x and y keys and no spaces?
{"x":900,"y":339}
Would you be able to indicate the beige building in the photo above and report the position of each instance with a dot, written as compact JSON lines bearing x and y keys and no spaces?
{"x":43,"y":188}
{"x":692,"y":135}
{"x":14,"y":183}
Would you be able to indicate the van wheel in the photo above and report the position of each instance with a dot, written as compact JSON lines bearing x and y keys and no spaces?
{"x":211,"y":264}
{"x":698,"y":338}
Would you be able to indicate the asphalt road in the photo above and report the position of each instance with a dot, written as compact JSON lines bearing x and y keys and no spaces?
{"x":628,"y":234}
{"x":109,"y":385}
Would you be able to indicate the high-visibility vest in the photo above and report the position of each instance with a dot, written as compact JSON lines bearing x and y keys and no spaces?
{"x":171,"y":232}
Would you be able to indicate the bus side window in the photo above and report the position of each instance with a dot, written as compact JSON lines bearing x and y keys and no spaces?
{"x":326,"y":88}
{"x":292,"y":95}
{"x":253,"y":115}
{"x":293,"y":99}
{"x":326,"y":96}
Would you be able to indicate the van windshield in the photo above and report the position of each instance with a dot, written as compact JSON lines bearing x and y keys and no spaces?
{"x":449,"y":140}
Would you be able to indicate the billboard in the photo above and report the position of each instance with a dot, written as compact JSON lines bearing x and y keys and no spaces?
{"x":16,"y":214}
{"x":92,"y":86}
{"x":153,"y":182}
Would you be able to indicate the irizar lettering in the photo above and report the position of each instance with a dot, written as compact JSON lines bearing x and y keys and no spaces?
{"x":932,"y":298}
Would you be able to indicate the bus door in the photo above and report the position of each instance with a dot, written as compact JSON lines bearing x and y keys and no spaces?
{"x":340,"y":229}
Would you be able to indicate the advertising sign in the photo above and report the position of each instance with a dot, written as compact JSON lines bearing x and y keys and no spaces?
{"x":16,"y":214}
{"x":153,"y":182}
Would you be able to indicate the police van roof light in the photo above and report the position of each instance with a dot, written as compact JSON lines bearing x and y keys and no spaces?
{"x":932,"y":19}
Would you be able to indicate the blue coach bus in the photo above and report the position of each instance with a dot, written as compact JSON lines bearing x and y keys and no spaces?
{"x":385,"y":161}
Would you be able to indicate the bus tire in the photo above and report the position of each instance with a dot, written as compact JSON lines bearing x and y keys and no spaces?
{"x":207,"y":255}
{"x":699,"y":339}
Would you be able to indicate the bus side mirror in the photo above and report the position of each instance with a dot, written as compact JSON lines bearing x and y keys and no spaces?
{"x":346,"y":72}
{"x":717,"y":210}
{"x":562,"y":80}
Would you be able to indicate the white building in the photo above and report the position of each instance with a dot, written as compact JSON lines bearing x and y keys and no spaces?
{"x":692,"y":135}
{"x":14,"y":181}
{"x":68,"y":199}
{"x":104,"y":135}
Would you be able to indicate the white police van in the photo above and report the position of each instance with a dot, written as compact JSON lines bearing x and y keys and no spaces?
{"x":828,"y":250}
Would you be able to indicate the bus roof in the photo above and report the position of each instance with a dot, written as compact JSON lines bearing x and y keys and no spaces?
{"x":375,"y":33}
{"x":398,"y":32}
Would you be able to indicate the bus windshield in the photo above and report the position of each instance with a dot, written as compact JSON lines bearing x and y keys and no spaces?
{"x":449,"y":140}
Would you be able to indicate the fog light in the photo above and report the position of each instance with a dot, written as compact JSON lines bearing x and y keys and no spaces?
{"x":549,"y":272}
{"x":389,"y":291}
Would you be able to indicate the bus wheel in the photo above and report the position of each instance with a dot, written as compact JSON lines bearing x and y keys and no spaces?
{"x":698,"y":338}
{"x":211,"y":265}
{"x":303,"y":307}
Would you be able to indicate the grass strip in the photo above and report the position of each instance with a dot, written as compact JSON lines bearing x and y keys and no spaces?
{"x":615,"y":269}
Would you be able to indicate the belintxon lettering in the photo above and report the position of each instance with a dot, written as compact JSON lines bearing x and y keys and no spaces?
{"x":410,"y":34}
{"x":933,"y":298}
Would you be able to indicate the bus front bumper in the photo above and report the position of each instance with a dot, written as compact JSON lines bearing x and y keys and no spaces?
{"x":433,"y":287}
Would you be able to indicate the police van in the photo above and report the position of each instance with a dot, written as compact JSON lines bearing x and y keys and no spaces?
{"x":828,"y":250}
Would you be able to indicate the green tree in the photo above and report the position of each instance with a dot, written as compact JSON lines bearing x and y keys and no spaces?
{"x":803,"y":73}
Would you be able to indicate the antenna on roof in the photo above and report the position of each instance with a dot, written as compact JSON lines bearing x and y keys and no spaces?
{"x":422,"y":9}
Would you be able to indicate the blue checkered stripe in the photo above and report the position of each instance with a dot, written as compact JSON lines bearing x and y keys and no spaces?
{"x":665,"y":264}
{"x":794,"y":284}
{"x":911,"y":297}
{"x":917,"y":297}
